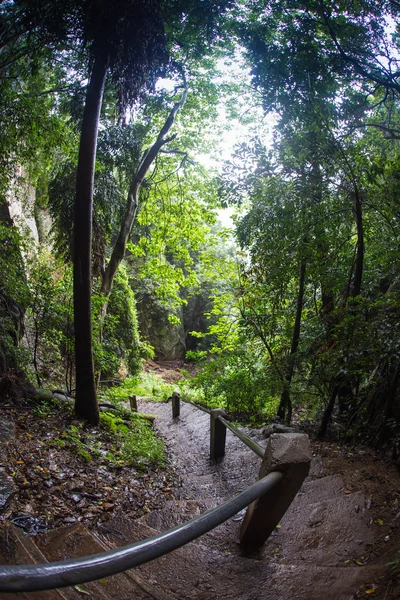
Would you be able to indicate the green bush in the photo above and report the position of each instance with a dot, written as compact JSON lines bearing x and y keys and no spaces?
{"x":134,"y":443}
{"x":145,"y":384}
{"x":121,"y":340}
{"x":237,"y":382}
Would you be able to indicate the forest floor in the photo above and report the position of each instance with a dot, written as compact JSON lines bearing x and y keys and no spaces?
{"x":54,"y":485}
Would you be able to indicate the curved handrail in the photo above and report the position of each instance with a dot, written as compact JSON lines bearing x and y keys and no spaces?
{"x":20,"y":578}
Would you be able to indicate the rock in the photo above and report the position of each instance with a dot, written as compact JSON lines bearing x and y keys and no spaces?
{"x":62,"y":397}
{"x":7,"y":430}
{"x":317,"y":515}
{"x":276,"y":428}
{"x":7,"y":488}
{"x":256,"y":433}
{"x":41,"y":395}
{"x":167,"y":338}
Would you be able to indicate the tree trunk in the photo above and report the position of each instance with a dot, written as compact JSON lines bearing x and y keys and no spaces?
{"x":327,"y":414}
{"x":286,"y":403}
{"x":358,"y":272}
{"x":85,"y":399}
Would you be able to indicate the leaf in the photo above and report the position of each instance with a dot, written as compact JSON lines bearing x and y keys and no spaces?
{"x":81,"y":590}
{"x":379,"y":521}
{"x":370,"y":590}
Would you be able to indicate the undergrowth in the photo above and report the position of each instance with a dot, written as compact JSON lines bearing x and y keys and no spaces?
{"x":145,"y":384}
{"x":123,"y":439}
{"x":134,"y":441}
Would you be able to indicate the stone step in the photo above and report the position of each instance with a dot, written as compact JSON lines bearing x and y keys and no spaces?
{"x":181,"y":570}
{"x":327,"y":533}
{"x":176,"y":512}
{"x":17,"y":548}
{"x":317,"y":490}
{"x":199,"y":573}
{"x":75,"y":541}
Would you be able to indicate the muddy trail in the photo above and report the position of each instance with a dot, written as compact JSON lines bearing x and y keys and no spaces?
{"x":330,"y":544}
{"x":335,"y":542}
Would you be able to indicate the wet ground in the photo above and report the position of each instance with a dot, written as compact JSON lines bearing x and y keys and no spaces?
{"x":333,"y":543}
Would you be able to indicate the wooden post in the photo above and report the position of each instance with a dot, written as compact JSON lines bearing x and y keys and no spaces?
{"x":289,"y":453}
{"x":133,"y":403}
{"x":176,"y":404}
{"x":217,"y":434}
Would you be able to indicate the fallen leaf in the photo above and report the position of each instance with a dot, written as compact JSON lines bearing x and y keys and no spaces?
{"x":379,"y":521}
{"x":370,"y":590}
{"x":81,"y":590}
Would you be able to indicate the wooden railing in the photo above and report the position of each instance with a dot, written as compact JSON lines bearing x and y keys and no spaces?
{"x":285,"y":464}
{"x":287,"y":453}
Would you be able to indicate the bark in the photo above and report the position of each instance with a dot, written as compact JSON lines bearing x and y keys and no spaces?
{"x":358,"y":271}
{"x":327,"y":414}
{"x":286,"y":403}
{"x":85,"y":400}
{"x":133,"y":200}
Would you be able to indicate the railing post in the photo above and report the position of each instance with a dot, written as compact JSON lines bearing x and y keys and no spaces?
{"x":289,"y":453}
{"x":176,"y":404}
{"x":217,"y":434}
{"x":133,"y":403}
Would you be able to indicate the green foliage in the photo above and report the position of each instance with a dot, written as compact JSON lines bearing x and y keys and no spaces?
{"x":123,"y":439}
{"x":46,"y":405}
{"x":121,"y":344}
{"x":239,"y":382}
{"x":395,"y":565}
{"x":14,"y":298}
{"x":133,"y":442}
{"x":49,"y":319}
{"x":144,"y":384}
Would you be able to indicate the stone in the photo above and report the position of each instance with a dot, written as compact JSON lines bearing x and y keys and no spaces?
{"x":7,"y":488}
{"x":285,"y":449}
{"x":7,"y":430}
{"x":289,"y":453}
{"x":276,"y":428}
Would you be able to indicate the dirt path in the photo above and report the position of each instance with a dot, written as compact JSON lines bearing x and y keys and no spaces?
{"x":334,"y":543}
{"x":331,"y":543}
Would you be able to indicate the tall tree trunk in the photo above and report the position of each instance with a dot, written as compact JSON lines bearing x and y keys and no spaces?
{"x":85,"y":399}
{"x":358,"y":272}
{"x":286,"y":403}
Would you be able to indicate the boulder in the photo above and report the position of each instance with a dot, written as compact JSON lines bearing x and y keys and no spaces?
{"x":276,"y":428}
